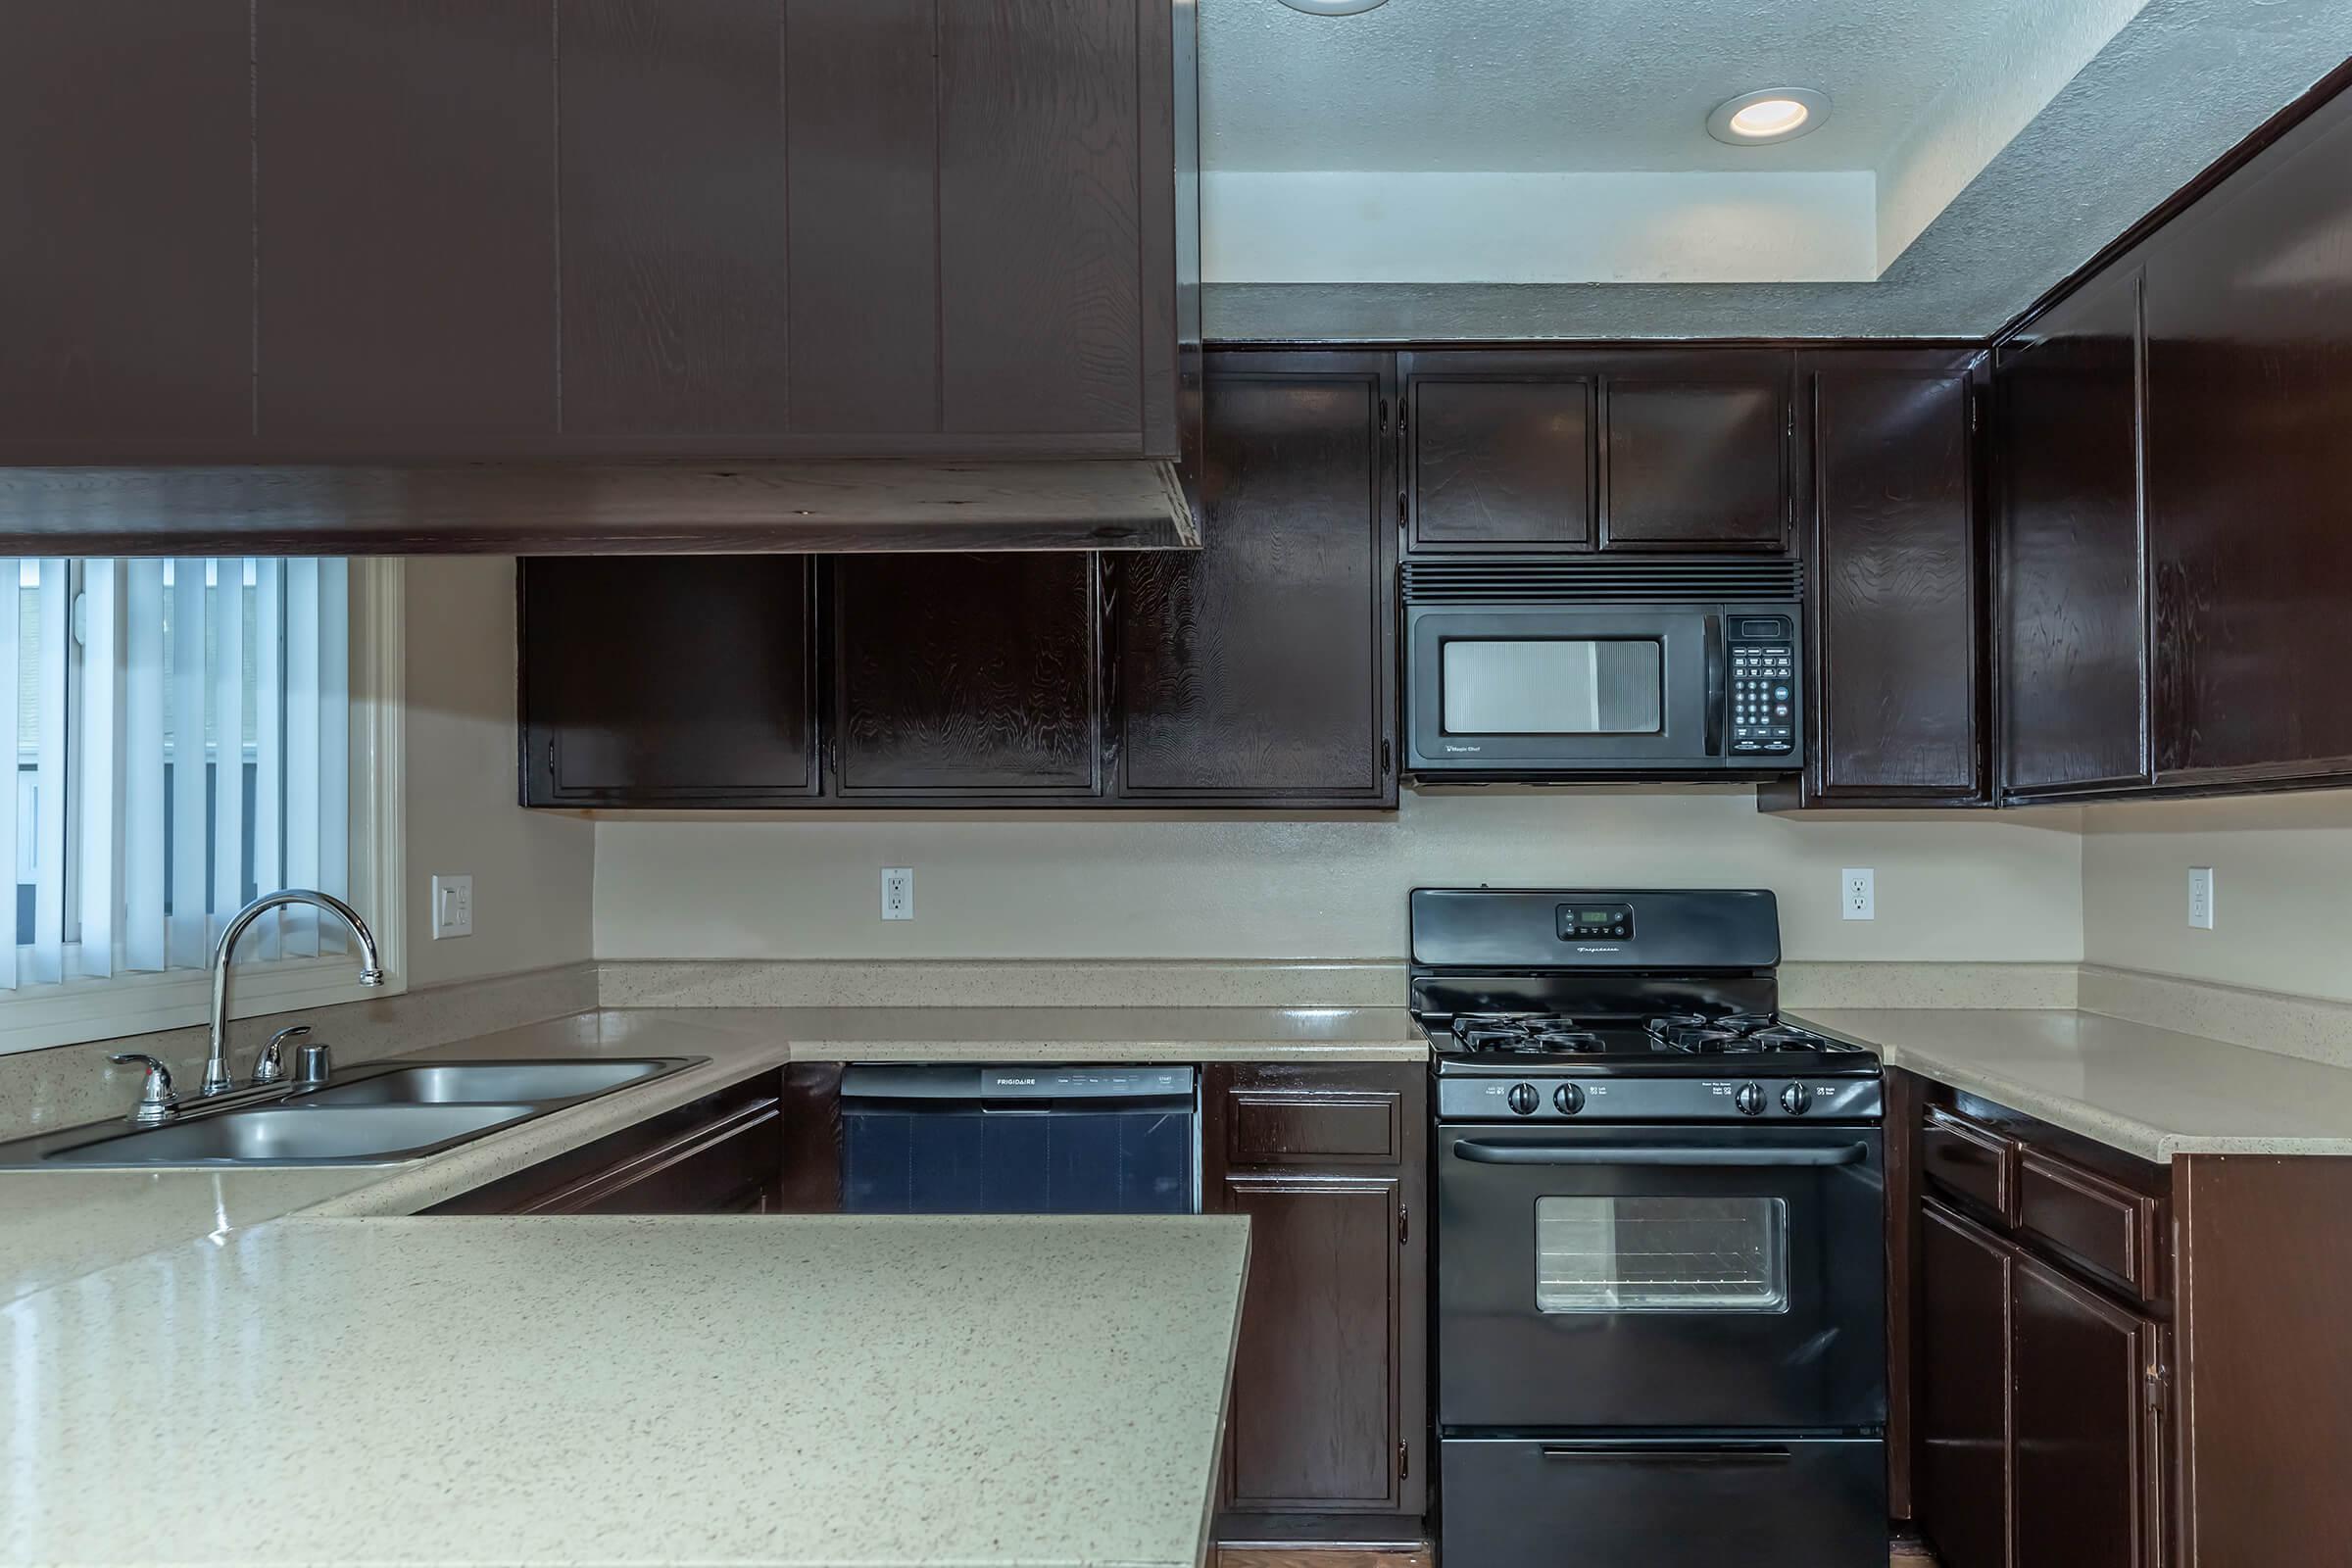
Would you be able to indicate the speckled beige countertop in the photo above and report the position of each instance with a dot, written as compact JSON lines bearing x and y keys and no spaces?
{"x":819,"y":1393}
{"x":2151,"y":1091}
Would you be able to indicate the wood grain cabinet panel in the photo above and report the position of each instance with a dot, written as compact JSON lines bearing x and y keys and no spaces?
{"x":1963,"y":1419}
{"x":1317,"y":1356}
{"x":1972,"y":1162}
{"x":967,"y":676}
{"x":1502,"y":452}
{"x":2073,"y":625}
{"x":2249,"y":325}
{"x":126,"y":121}
{"x":672,"y":203}
{"x":670,"y":680}
{"x":1895,"y":577}
{"x":1330,"y":1404}
{"x":2099,"y":1226}
{"x":1261,"y":666}
{"x":407,"y":236}
{"x":2089,"y":1487}
{"x":1697,"y":455}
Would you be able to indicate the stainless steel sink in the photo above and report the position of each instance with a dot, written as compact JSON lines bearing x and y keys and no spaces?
{"x":377,"y":1114}
{"x":490,"y":1083}
{"x":299,"y":1135}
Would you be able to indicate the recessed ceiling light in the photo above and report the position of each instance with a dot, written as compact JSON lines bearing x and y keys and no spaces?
{"x":1775,"y":114}
{"x":1333,"y":8}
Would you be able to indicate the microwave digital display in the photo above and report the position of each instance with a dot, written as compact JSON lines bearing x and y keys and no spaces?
{"x":1553,"y":686}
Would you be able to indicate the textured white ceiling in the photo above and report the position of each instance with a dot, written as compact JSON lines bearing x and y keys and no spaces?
{"x":1577,"y":86}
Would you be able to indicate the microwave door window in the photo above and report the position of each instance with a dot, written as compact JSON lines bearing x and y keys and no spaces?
{"x":1553,"y":686}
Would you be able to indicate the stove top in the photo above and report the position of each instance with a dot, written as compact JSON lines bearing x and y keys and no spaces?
{"x":1516,"y":1040}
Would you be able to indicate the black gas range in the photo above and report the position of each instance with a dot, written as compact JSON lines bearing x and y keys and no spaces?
{"x":1660,"y":1265}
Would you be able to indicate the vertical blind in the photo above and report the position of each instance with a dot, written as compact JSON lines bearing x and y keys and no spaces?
{"x":182,"y":745}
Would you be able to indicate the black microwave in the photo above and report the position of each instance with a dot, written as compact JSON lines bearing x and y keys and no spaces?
{"x":1555,"y":684}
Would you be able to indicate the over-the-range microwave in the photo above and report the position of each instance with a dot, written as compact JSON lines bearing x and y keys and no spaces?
{"x":1551,"y":668}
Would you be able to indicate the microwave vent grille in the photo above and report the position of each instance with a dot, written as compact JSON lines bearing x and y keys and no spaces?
{"x":1585,"y":580}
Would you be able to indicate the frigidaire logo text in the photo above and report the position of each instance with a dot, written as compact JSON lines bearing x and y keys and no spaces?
{"x":1600,"y":950}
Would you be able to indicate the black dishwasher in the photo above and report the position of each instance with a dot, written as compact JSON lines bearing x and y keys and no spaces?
{"x":937,"y":1139}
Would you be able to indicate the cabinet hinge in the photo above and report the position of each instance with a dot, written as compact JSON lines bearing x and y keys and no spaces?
{"x":1976,"y":412}
{"x":551,"y":759}
{"x":1387,"y":757}
{"x":1384,"y":415}
{"x":1399,"y":505}
{"x":1404,"y":1461}
{"x":2159,"y":1385}
{"x":1404,"y":1222}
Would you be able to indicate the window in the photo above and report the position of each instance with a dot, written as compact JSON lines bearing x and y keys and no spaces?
{"x":191,"y":733}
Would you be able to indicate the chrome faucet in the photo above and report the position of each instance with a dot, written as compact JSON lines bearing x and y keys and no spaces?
{"x":217,"y":1077}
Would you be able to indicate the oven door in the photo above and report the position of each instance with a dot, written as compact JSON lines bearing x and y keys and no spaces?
{"x":1629,"y":687}
{"x":1724,"y":1277}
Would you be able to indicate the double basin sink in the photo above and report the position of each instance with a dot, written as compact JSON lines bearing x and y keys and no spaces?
{"x":376,"y":1115}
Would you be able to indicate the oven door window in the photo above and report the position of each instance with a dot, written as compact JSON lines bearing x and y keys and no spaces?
{"x":1553,"y":686}
{"x":1661,"y":1255}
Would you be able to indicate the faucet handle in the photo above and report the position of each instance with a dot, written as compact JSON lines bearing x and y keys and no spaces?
{"x":157,"y":1104}
{"x":271,"y":1064}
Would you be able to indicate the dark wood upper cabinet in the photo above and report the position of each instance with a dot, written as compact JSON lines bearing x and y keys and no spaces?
{"x":962,"y":676}
{"x":396,"y":232}
{"x":1501,"y":450}
{"x":1261,"y":668}
{"x":129,"y":121}
{"x":1646,"y":450}
{"x":1962,"y":1477}
{"x":672,"y":680}
{"x":2249,"y":323}
{"x":2070,"y":602}
{"x":1697,"y":453}
{"x":1330,"y":1405}
{"x":674,"y":286}
{"x":1894,"y":579}
{"x":404,"y":163}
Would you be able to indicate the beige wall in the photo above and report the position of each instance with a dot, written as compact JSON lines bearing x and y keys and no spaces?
{"x":2283,"y":901}
{"x":1951,"y":885}
{"x":533,"y":873}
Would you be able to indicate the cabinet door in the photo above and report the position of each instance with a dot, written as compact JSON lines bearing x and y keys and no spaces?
{"x":676,"y":308}
{"x":1317,"y":1404}
{"x":407,"y":238}
{"x":128,"y":195}
{"x":2089,"y":1489}
{"x":1260,"y":666}
{"x":962,"y":676}
{"x":2249,"y":324}
{"x":1499,"y":450}
{"x":2073,"y":621}
{"x":668,"y":680}
{"x":1697,"y":453}
{"x":1895,"y":577}
{"x":1962,"y":1421}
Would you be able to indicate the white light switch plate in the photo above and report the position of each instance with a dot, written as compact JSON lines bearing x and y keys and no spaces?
{"x":2200,"y":897}
{"x":897,"y":893}
{"x":452,"y":907}
{"x":1858,"y":893}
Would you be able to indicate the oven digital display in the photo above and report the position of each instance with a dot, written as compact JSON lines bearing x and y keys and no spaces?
{"x":1611,"y":920}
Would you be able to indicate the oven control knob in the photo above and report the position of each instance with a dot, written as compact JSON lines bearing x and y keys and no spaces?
{"x":1523,"y":1099}
{"x":1750,"y":1100}
{"x":1797,"y":1100}
{"x":1569,"y":1098}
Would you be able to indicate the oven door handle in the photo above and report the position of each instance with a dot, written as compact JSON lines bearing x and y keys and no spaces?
{"x":1656,"y":1155}
{"x":1752,"y":1454}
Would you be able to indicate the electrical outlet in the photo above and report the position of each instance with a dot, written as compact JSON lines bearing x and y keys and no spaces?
{"x":1858,"y":893}
{"x":2200,"y":897}
{"x":897,"y":893}
{"x":452,"y":907}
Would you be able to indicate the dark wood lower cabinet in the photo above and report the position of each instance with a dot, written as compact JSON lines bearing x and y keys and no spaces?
{"x":1962,"y":1469}
{"x":1329,"y":1403}
{"x":722,"y":1154}
{"x":2089,"y":1487}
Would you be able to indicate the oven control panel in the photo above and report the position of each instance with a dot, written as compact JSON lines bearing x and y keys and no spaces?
{"x":1597,"y":922}
{"x":1542,"y":1097}
{"x":1763,"y":656}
